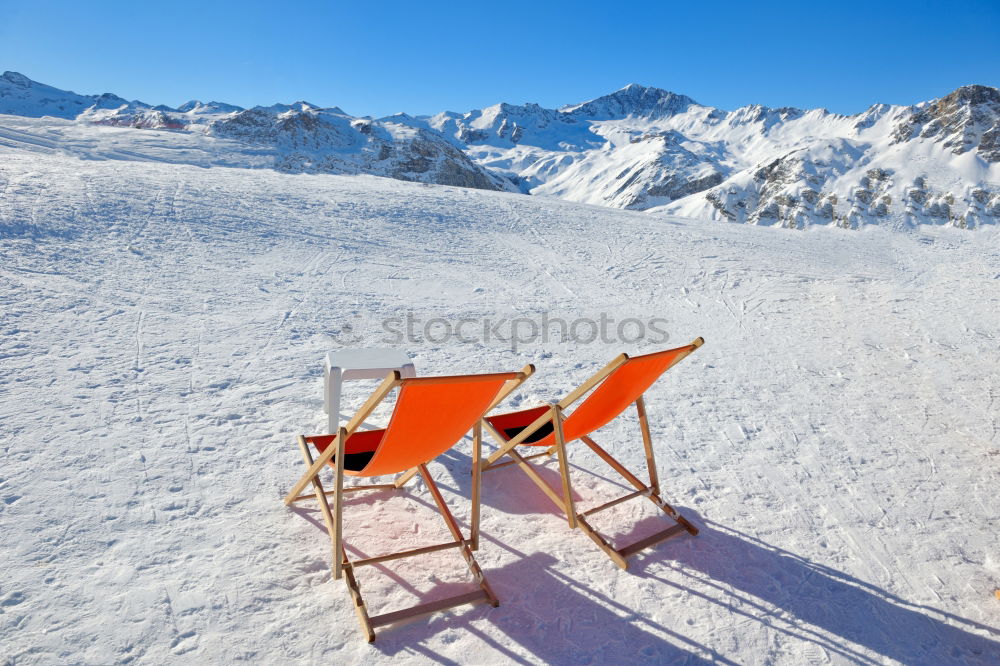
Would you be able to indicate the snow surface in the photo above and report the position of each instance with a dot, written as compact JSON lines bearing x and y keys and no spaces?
{"x":164,"y":322}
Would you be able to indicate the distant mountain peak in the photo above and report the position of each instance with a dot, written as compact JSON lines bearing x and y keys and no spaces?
{"x":21,"y":96}
{"x":197,"y":106}
{"x":966,"y":119}
{"x":635,"y":100}
{"x":17,"y":79}
{"x":972,"y":94}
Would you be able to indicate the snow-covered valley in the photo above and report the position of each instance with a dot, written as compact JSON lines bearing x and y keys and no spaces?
{"x":164,"y":317}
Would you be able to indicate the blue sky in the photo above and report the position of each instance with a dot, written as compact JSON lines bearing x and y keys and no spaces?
{"x":431,"y":56}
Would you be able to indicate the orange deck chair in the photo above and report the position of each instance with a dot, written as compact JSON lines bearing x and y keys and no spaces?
{"x":430,"y":416}
{"x":619,"y":384}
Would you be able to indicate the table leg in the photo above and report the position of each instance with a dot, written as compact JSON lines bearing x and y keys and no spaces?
{"x":334,"y":381}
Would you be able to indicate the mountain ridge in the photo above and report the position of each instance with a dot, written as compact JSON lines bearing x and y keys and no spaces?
{"x":641,"y":148}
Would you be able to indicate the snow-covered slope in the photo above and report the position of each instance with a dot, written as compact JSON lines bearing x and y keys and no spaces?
{"x":163,"y":323}
{"x":637,"y":148}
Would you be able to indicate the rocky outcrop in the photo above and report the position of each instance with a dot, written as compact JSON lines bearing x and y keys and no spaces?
{"x":307,"y":139}
{"x":967,"y":119}
{"x":632,"y":100}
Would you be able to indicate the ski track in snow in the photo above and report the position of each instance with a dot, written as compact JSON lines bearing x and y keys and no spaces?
{"x":163,"y":327}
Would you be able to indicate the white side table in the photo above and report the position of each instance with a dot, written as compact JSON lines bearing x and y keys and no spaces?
{"x":348,"y":364}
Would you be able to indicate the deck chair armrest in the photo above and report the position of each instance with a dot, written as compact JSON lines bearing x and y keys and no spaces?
{"x":603,"y":373}
{"x":390,"y":382}
{"x":512,"y":384}
{"x":594,"y":380}
{"x":697,"y":342}
{"x":378,"y":395}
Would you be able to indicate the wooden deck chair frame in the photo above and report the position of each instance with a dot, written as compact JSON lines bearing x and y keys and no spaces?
{"x":555,"y":414}
{"x":343,"y":566}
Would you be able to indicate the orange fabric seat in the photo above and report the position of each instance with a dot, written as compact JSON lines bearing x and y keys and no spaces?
{"x":358,"y":450}
{"x":622,"y":387}
{"x":431,"y":414}
{"x":513,"y":423}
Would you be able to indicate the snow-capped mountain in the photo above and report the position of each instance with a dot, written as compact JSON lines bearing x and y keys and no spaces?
{"x":20,"y":96}
{"x":309,"y":139}
{"x":300,"y":137}
{"x":645,"y":148}
{"x":934,"y":162}
{"x":638,"y":148}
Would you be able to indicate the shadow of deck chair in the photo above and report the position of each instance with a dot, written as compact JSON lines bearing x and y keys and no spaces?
{"x":430,"y":416}
{"x":620,"y":383}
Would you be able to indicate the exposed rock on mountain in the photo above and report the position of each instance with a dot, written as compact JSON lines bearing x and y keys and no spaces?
{"x":309,"y":139}
{"x":967,"y":119}
{"x":632,"y":100}
{"x":198,"y":107}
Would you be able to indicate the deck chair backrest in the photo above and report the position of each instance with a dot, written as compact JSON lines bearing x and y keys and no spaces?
{"x":431,"y":415}
{"x":618,"y":390}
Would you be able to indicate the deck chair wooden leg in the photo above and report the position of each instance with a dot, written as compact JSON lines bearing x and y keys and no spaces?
{"x":601,"y":543}
{"x":452,"y":524}
{"x":324,"y":506}
{"x":360,"y":609}
{"x":631,"y":478}
{"x":647,"y":444}
{"x":338,"y":567}
{"x":654,"y":481}
{"x":334,"y":526}
{"x":405,"y":477}
{"x":557,"y":421}
{"x":521,"y":461}
{"x":477,"y":473}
